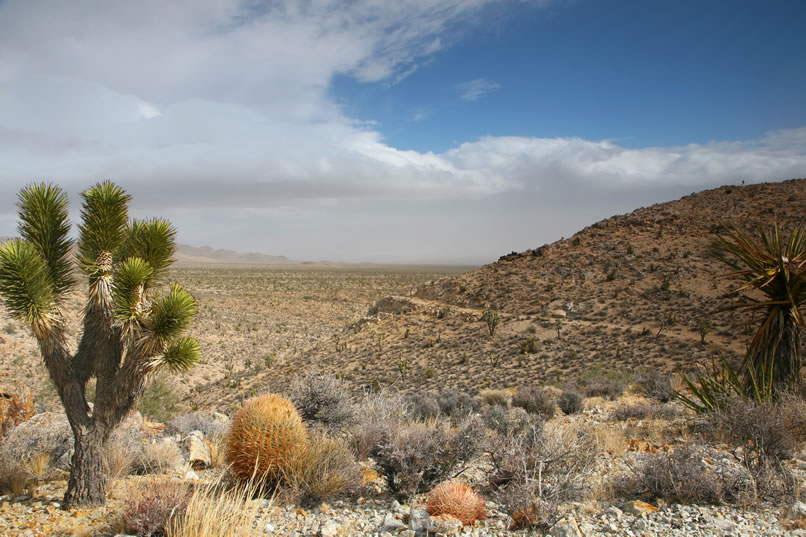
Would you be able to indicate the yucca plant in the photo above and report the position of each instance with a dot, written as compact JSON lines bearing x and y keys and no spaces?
{"x":776,"y":267}
{"x":131,"y":329}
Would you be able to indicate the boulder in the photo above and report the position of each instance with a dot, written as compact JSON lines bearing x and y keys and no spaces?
{"x":198,"y":451}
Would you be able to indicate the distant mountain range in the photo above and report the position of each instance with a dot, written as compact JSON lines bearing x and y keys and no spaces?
{"x":204,"y":254}
{"x":192,"y":255}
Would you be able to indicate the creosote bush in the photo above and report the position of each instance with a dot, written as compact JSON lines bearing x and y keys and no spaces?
{"x":455,"y":499}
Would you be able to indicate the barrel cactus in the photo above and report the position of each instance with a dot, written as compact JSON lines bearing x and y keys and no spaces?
{"x":267,"y":438}
{"x":456,"y":499}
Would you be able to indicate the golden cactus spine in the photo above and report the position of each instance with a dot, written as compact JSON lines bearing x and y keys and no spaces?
{"x":455,"y":499}
{"x":267,"y":438}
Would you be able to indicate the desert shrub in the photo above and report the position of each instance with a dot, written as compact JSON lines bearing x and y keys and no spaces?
{"x":541,"y":467}
{"x":455,"y":499}
{"x":666,"y":411}
{"x":323,"y":399}
{"x":508,"y":422}
{"x":415,"y":456}
{"x":326,"y":472}
{"x":496,"y":397}
{"x":158,"y":457}
{"x":765,"y":428}
{"x":382,"y":406}
{"x":607,"y":388}
{"x":570,"y":401}
{"x":626,"y":412}
{"x":535,"y":400}
{"x":422,"y":406}
{"x":684,"y":476}
{"x":267,"y":437}
{"x":456,"y":404}
{"x":655,"y":386}
{"x":767,"y":434}
{"x":208,"y":423}
{"x":150,"y":504}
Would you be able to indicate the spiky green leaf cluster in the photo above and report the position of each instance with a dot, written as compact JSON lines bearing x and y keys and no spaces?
{"x":172,"y":314}
{"x":129,"y":288}
{"x":181,"y":355}
{"x":44,"y":224}
{"x":26,"y":284}
{"x":104,"y":226}
{"x":775,"y":266}
{"x":154,"y":242}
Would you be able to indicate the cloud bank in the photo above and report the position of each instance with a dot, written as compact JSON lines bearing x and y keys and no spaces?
{"x":220,"y":118}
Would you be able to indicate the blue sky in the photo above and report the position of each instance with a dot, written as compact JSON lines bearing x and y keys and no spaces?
{"x":445,"y":131}
{"x":644,"y":73}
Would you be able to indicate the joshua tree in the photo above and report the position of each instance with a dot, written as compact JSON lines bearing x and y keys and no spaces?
{"x":131,"y":330}
{"x":777,"y":268}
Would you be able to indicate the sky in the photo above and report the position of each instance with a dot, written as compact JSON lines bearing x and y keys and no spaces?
{"x":413,"y":131}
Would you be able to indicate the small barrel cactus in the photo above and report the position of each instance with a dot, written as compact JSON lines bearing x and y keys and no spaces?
{"x":455,"y":499}
{"x":267,"y":438}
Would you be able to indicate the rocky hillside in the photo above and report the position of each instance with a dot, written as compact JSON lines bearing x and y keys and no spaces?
{"x":635,"y":291}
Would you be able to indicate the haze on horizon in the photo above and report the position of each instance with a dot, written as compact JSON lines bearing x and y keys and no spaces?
{"x":416,"y":131}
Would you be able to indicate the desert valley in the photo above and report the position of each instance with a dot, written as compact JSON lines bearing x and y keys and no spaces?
{"x":544,"y":382}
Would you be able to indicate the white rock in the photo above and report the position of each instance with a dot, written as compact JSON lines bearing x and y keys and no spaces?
{"x":566,"y":528}
{"x":329,"y":529}
{"x":797,"y":510}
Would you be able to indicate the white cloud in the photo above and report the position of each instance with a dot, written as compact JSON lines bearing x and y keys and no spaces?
{"x":219,"y":118}
{"x":473,"y":90}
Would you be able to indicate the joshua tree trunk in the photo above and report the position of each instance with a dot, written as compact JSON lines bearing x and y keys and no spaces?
{"x":87,"y":484}
{"x":774,"y":353}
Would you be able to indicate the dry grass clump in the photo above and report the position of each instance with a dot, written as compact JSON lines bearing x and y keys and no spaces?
{"x":217,"y":446}
{"x":119,"y":458}
{"x":15,"y":478}
{"x":152,"y":503}
{"x":158,"y":457}
{"x":326,"y":472}
{"x":535,"y":400}
{"x":496,"y":397}
{"x":212,"y":512}
{"x":455,"y":499}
